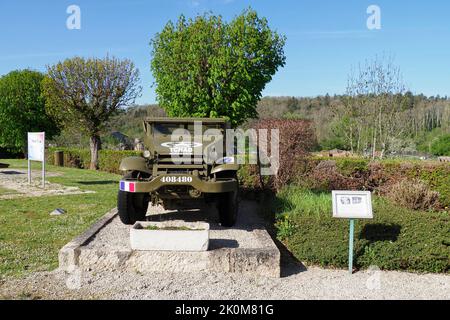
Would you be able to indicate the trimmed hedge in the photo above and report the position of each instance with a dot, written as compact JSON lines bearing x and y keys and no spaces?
{"x":396,"y":239}
{"x":326,"y":174}
{"x":108,"y":160}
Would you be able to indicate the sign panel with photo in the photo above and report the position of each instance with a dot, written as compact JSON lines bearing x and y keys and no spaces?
{"x":352,"y":204}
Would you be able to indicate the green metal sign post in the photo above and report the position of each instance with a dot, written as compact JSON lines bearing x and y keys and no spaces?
{"x":352,"y":205}
{"x":350,"y":246}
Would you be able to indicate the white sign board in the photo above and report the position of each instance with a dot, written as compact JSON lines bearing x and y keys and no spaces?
{"x":36,"y":152}
{"x":352,"y":204}
{"x":36,"y":146}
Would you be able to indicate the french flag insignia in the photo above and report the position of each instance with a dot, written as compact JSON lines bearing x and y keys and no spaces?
{"x":127,"y":186}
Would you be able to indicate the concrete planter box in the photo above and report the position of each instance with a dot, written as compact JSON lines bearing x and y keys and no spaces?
{"x":170,"y":236}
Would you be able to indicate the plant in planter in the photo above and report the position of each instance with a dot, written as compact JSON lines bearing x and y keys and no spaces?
{"x":173,"y":235}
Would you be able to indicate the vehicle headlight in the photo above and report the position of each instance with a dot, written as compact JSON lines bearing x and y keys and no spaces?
{"x":225,"y":160}
{"x":147,"y":154}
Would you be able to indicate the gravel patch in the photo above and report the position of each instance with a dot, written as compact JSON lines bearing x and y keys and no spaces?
{"x":16,"y":180}
{"x":297,"y":281}
{"x":314,"y":283}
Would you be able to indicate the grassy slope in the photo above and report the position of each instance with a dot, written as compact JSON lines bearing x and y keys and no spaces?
{"x":396,"y":239}
{"x":30,"y":238}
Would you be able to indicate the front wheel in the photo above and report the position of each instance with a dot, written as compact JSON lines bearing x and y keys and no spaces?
{"x":132,"y":207}
{"x":228,"y":209}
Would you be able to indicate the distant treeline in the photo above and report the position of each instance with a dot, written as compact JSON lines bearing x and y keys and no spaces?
{"x":419,"y":120}
{"x":422,"y":119}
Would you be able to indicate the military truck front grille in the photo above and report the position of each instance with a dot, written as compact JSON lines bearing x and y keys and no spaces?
{"x":173,"y":171}
{"x":165,"y":159}
{"x":176,"y":189}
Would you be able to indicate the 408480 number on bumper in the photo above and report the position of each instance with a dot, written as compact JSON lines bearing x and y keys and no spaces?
{"x":210,"y":186}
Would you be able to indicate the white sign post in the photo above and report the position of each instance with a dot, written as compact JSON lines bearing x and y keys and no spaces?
{"x":352,"y":205}
{"x":36,"y":152}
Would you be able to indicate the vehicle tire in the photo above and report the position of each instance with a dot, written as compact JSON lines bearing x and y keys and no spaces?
{"x":132,"y":207}
{"x":228,"y":209}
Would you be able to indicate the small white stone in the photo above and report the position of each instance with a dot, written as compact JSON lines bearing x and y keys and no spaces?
{"x":57,"y":212}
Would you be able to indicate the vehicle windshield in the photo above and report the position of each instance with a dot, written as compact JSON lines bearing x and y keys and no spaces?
{"x":165,"y":128}
{"x":169,"y":128}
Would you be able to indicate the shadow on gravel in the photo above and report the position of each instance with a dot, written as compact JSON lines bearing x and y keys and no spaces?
{"x":289,"y":264}
{"x":209,"y":215}
{"x":11,"y":172}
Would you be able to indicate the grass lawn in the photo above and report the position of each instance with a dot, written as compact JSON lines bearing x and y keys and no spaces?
{"x":6,"y":191}
{"x":30,"y":238}
{"x":396,"y":239}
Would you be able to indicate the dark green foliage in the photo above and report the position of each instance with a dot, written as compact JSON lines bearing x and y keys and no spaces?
{"x":396,"y":239}
{"x":438,"y":178}
{"x":333,"y":143}
{"x":352,"y":166}
{"x":109,"y":160}
{"x":441,"y":147}
{"x":206,"y":67}
{"x":22,"y":109}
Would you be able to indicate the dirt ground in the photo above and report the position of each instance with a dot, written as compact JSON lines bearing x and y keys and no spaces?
{"x":15,"y":182}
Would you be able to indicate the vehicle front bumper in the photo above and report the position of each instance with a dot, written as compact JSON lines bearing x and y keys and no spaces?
{"x":218,"y":186}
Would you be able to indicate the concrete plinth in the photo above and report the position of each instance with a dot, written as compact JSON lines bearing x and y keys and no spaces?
{"x":247,"y":248}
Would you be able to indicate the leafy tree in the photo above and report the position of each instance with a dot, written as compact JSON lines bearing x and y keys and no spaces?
{"x":22,"y":109}
{"x":85,"y":93}
{"x":441,"y":146}
{"x":206,"y":67}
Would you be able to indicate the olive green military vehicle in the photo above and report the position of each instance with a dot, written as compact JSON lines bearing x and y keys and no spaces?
{"x":185,"y":165}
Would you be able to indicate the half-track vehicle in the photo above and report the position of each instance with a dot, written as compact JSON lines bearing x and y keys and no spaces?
{"x":184,"y":166}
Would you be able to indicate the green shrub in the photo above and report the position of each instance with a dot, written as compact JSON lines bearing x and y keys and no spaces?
{"x":396,"y":239}
{"x":248,"y":177}
{"x":333,"y":143}
{"x":441,"y":146}
{"x":352,"y":166}
{"x":109,"y":160}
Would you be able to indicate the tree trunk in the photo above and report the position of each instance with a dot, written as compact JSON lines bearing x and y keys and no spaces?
{"x":351,"y":139}
{"x":95,"y":144}
{"x":383,"y":150}
{"x":374,"y":147}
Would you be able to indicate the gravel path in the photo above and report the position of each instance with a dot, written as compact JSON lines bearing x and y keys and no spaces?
{"x":297,"y":283}
{"x":16,"y":180}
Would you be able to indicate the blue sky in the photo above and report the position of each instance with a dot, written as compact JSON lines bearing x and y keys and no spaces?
{"x":325,"y":38}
